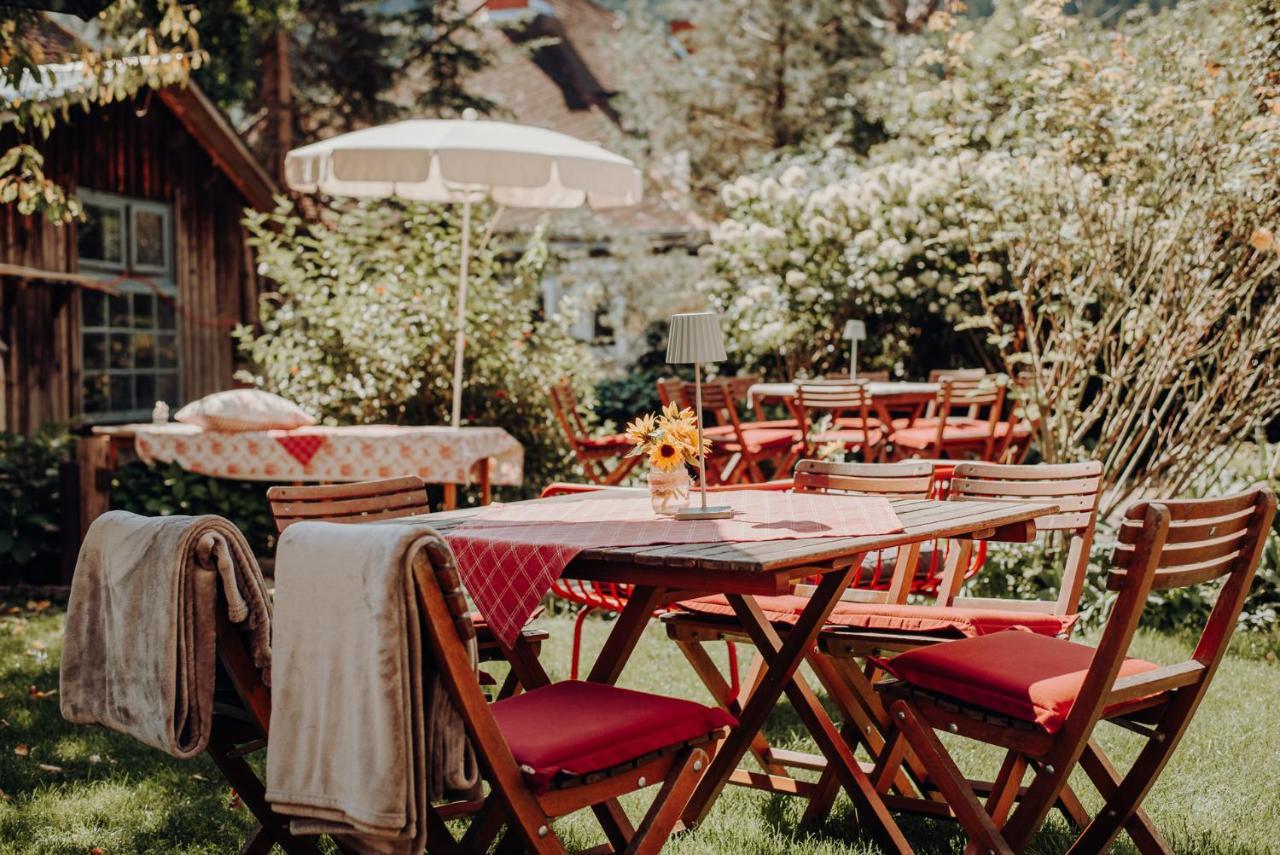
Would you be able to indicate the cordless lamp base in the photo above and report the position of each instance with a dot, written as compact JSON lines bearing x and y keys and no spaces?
{"x":722,"y":512}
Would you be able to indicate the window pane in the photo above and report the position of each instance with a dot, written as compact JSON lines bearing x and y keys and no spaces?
{"x":165,"y":317}
{"x":145,"y":388}
{"x":93,"y":305}
{"x":148,"y":238}
{"x":95,"y":393}
{"x":167,"y":388}
{"x":120,"y":351}
{"x":144,"y":350}
{"x":118,"y":310}
{"x":100,"y":236}
{"x":167,"y":351}
{"x":95,"y":351}
{"x":121,"y":392}
{"x":144,"y":311}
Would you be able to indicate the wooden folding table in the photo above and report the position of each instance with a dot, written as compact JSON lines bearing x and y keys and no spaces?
{"x":666,"y":573}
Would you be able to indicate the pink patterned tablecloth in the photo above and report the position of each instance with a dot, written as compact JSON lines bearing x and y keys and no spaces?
{"x":509,"y":555}
{"x":439,"y":455}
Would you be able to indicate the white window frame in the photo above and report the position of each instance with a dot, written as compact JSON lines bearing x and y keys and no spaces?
{"x":165,"y":287}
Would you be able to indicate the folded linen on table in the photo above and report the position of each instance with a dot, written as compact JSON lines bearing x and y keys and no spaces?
{"x":139,"y":646}
{"x":363,"y":733}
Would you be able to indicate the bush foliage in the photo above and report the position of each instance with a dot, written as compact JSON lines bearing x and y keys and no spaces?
{"x":360,"y":325}
{"x":31,"y":505}
{"x":1098,"y":207}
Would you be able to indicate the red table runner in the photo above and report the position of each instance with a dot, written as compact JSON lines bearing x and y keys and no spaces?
{"x":509,"y":555}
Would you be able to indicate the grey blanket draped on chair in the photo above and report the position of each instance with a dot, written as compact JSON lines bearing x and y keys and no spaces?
{"x":362,"y":732}
{"x":138,"y":652}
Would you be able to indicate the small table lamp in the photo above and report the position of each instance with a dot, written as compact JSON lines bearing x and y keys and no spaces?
{"x":854,"y":332}
{"x":696,"y":338}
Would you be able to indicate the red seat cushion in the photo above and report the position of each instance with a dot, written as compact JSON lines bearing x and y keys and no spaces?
{"x":782,"y":609}
{"x":850,"y":437}
{"x":956,"y":430}
{"x":924,"y":620}
{"x":576,"y":728}
{"x":612,"y":442}
{"x":946,"y":620}
{"x":1022,"y":428}
{"x":1020,"y":674}
{"x":764,"y":439}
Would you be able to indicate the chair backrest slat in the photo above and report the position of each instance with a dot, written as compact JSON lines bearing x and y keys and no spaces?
{"x":831,"y":395}
{"x":1074,"y":487}
{"x":366,"y":501}
{"x":1151,"y":561}
{"x":913,"y":480}
{"x":1205,"y":540}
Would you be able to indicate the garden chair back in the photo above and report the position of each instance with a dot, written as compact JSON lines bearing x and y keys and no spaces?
{"x":594,"y":453}
{"x":1074,"y":487}
{"x":509,"y":734}
{"x":848,"y":405}
{"x":740,"y":449}
{"x":1015,"y":432}
{"x":1053,"y":693}
{"x":365,"y":501}
{"x":394,"y":498}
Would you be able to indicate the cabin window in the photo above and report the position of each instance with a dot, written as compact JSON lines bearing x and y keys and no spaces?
{"x":129,"y":338}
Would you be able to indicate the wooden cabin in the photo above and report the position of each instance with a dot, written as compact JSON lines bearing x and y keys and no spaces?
{"x":101,"y":319}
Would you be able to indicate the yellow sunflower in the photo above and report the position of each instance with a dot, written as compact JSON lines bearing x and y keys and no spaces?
{"x":640,"y":433}
{"x":666,"y":455}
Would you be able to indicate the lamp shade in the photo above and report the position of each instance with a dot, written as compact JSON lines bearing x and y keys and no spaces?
{"x":695,"y":337}
{"x":855,"y":330}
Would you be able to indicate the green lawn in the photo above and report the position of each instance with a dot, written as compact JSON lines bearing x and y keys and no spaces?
{"x":68,"y":789}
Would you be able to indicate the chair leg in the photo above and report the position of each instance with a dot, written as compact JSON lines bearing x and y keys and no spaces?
{"x":274,"y":828}
{"x":728,"y":700}
{"x":1141,"y":829}
{"x":735,"y":679}
{"x":669,"y":804}
{"x":949,"y":779}
{"x":577,"y":639}
{"x":1005,"y":788}
{"x":259,"y":843}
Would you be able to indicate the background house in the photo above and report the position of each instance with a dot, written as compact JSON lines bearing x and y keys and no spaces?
{"x":552,"y":69}
{"x":103,"y":318}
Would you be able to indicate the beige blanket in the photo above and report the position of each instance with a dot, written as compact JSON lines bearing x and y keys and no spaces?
{"x":138,"y":653}
{"x":359,"y":735}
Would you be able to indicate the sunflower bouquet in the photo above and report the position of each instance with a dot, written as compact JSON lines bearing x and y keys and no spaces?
{"x":670,"y":439}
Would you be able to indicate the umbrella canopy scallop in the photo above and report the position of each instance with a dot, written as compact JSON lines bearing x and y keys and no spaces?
{"x":440,"y":160}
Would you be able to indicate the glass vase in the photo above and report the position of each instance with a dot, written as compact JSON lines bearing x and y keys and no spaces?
{"x":669,"y":491}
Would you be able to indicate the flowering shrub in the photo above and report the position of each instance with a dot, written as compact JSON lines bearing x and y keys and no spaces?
{"x":360,"y":326}
{"x":1097,"y":208}
{"x":803,"y":252}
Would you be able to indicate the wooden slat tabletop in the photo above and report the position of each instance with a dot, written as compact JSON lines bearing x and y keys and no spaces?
{"x":922,"y":519}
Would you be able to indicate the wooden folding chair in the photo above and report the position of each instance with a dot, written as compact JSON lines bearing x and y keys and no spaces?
{"x":694,"y":623}
{"x":593,"y":452}
{"x":968,"y":411}
{"x":738,"y":448}
{"x":1013,"y":434}
{"x":241,"y":722}
{"x":857,"y":631}
{"x":561,"y":747}
{"x":848,"y":406}
{"x":393,"y":498}
{"x":1040,"y":699}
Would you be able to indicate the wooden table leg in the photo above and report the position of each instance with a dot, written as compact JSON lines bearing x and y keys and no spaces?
{"x":783,"y":658}
{"x":450,"y":496}
{"x":486,"y":487}
{"x":626,"y":633}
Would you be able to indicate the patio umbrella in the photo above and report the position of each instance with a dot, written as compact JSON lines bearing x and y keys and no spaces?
{"x":465,"y":160}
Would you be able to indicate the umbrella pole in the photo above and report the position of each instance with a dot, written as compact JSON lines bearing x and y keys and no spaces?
{"x":460,"y":340}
